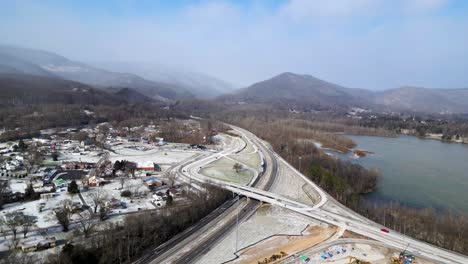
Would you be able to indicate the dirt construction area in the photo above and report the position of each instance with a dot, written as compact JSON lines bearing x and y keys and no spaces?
{"x":284,"y":245}
{"x":268,"y":231}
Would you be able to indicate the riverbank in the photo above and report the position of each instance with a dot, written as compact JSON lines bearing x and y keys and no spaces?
{"x":360,"y":153}
{"x":416,"y":172}
{"x":436,"y":136}
{"x":357,"y":153}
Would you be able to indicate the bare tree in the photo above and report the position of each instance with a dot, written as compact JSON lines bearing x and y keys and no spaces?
{"x":104,"y":129}
{"x":19,"y":258}
{"x":25,"y":230}
{"x":85,"y":181}
{"x":87,"y":223}
{"x":130,"y":168}
{"x":103,"y":212}
{"x":27,"y":224}
{"x":98,"y":197}
{"x":12,"y":221}
{"x":122,"y":181}
{"x":63,"y":214}
{"x":237,"y":167}
{"x":172,"y":176}
{"x":4,"y":189}
{"x":35,"y":158}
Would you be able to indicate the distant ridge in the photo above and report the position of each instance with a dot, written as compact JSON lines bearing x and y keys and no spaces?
{"x":200,"y":85}
{"x":305,"y":92}
{"x":47,"y":64}
{"x":289,"y":90}
{"x":21,"y":89}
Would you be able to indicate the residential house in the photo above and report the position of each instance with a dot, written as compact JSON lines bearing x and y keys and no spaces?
{"x":148,"y":166}
{"x":113,"y":203}
{"x":154,"y":182}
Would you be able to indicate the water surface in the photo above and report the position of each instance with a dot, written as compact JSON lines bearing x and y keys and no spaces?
{"x":417,"y":172}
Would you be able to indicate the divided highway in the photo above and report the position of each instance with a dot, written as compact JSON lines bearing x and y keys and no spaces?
{"x":190,"y":171}
{"x":327,"y":210}
{"x":266,"y":178}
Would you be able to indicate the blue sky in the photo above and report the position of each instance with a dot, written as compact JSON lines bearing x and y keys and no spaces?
{"x":374,"y":44}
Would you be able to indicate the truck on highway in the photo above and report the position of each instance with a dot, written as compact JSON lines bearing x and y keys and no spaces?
{"x":384,"y":230}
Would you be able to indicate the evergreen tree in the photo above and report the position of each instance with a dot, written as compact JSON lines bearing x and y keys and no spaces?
{"x":73,"y":187}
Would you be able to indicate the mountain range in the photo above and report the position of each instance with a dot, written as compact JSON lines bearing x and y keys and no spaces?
{"x":32,"y":69}
{"x":304,"y":92}
{"x":22,"y":89}
{"x":17,"y":60}
{"x":199,"y":84}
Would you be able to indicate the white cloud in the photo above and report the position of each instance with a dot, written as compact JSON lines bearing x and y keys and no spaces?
{"x":303,"y":9}
{"x":423,"y":6}
{"x":299,"y":10}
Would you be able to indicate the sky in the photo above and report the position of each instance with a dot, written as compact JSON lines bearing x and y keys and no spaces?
{"x":372,"y":44}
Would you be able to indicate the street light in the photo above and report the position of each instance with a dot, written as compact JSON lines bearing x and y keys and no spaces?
{"x":237,"y":217}
{"x":299,"y":187}
{"x":237,"y":224}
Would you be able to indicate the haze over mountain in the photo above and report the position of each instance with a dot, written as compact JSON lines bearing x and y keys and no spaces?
{"x":21,"y":89}
{"x":48,"y":64}
{"x":305,"y":92}
{"x":199,"y":84}
{"x":417,"y":99}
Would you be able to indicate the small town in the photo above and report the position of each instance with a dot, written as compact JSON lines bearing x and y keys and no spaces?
{"x":65,"y":183}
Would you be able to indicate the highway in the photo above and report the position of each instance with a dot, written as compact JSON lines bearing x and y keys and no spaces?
{"x":189,"y":168}
{"x":167,"y":249}
{"x":266,"y":179}
{"x":327,"y":209}
{"x":350,"y":220}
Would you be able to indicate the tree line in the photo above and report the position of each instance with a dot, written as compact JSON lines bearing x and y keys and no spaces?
{"x":450,"y":126}
{"x":347,"y":182}
{"x":27,"y":121}
{"x":124,"y":242}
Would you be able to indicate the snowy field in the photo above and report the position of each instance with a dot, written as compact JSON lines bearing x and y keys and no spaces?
{"x":45,"y":218}
{"x":248,"y":156}
{"x":222,"y":169}
{"x":228,"y":174}
{"x":291,"y":185}
{"x":266,"y":222}
{"x":138,"y":152}
{"x":251,"y":160}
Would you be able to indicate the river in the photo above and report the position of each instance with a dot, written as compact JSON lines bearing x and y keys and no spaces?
{"x":417,"y":172}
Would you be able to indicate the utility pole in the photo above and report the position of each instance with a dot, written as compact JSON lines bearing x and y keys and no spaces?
{"x":299,"y":188}
{"x":237,"y":217}
{"x":237,"y":224}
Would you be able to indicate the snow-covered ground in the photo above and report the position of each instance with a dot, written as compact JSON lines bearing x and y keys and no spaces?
{"x":291,"y":185}
{"x":137,"y":152}
{"x":113,"y":190}
{"x":18,"y":186}
{"x":266,"y":222}
{"x":46,"y":217}
{"x":227,"y":174}
{"x":222,"y":169}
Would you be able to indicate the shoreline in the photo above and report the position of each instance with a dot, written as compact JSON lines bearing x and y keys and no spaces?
{"x":439,"y":137}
